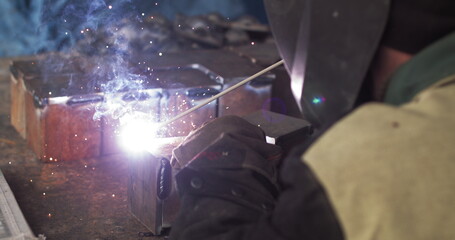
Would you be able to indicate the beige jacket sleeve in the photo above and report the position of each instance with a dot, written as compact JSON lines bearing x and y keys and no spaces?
{"x":390,"y":171}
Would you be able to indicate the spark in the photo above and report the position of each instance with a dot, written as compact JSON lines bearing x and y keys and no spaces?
{"x":44,"y":194}
{"x":113,"y":195}
{"x":110,"y":6}
{"x":138,"y":132}
{"x":160,"y":54}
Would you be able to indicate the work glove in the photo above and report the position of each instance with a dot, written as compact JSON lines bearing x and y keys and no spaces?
{"x":228,"y":143}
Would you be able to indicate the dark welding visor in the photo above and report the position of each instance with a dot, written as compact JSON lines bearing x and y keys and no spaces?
{"x":327,"y":45}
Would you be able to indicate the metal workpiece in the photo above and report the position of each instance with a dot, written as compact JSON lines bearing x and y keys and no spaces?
{"x":75,"y":121}
{"x":58,"y":75}
{"x":262,"y":54}
{"x":82,"y":105}
{"x":265,"y":54}
{"x":184,"y":88}
{"x":230,"y":68}
{"x":152,"y":195}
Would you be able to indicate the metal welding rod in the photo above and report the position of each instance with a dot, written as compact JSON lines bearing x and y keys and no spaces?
{"x":208,"y":100}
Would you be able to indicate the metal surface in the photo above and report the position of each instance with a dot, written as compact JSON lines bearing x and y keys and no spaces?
{"x":263,"y":54}
{"x":12,"y":222}
{"x":67,"y":113}
{"x":224,"y":92}
{"x":152,"y":196}
{"x":327,"y":47}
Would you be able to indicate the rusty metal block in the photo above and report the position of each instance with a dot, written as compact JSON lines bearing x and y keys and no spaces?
{"x":265,"y":54}
{"x":54,"y":125}
{"x":17,"y":89}
{"x":183,"y":88}
{"x":253,"y":96}
{"x":145,"y":101}
{"x":230,"y":68}
{"x":143,"y":187}
{"x":152,"y":194}
{"x":55,"y":98}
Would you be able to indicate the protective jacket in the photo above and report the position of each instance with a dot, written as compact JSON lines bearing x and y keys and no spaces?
{"x":385,"y":171}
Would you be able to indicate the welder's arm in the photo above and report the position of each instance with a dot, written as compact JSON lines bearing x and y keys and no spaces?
{"x":229,"y":189}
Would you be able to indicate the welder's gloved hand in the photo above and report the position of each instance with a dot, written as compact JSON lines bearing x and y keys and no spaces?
{"x":228,"y":142}
{"x":228,"y":189}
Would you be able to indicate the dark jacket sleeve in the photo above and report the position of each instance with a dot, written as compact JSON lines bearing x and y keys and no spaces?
{"x":224,"y":202}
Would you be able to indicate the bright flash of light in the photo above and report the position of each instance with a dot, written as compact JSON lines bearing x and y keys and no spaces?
{"x":139,"y":133}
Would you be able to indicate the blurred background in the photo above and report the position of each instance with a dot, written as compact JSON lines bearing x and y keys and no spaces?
{"x":30,"y":27}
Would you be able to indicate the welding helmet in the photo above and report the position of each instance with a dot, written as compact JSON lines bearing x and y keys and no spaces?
{"x":328,"y":45}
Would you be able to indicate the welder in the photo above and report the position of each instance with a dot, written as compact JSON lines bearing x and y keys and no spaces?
{"x":382,"y":163}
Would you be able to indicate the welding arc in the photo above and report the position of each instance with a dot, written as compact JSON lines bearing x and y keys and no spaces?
{"x":230,"y":89}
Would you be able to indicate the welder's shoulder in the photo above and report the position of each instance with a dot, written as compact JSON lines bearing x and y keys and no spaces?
{"x":389,"y":170}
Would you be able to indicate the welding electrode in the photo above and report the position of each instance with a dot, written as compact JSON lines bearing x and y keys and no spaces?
{"x":205,"y":102}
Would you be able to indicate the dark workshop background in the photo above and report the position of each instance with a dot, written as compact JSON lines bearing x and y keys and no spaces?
{"x":35,"y":26}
